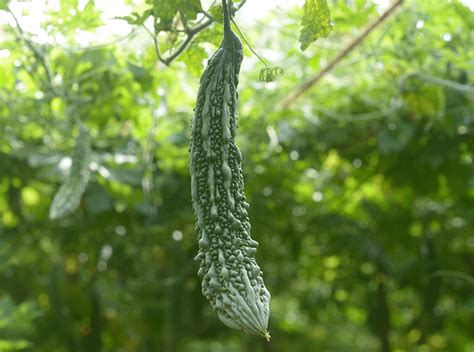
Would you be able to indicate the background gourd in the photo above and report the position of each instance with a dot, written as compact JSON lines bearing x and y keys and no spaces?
{"x":69,"y":194}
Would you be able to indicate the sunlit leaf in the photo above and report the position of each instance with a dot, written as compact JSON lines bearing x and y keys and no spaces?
{"x":141,"y":75}
{"x":166,"y":10}
{"x":424,"y":98}
{"x":194,"y":57}
{"x":216,"y":12}
{"x":3,"y":4}
{"x":316,"y":22}
{"x":14,"y":345}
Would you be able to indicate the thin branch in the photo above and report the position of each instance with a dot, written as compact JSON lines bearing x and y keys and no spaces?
{"x":155,"y":43}
{"x":208,"y":15}
{"x":190,"y":34}
{"x":464,"y":88}
{"x":43,"y":60}
{"x":303,"y":88}
{"x":248,"y":44}
{"x":38,"y":54}
{"x":366,"y":116}
{"x":189,"y":37}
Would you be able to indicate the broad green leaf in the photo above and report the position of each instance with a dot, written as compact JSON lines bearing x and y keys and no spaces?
{"x":166,"y":10}
{"x":73,"y":18}
{"x":194,"y":57}
{"x":141,"y":75}
{"x":212,"y":35}
{"x":216,"y":12}
{"x":189,"y":8}
{"x":69,"y":195}
{"x":316,"y":22}
{"x":17,"y":318}
{"x":424,"y":98}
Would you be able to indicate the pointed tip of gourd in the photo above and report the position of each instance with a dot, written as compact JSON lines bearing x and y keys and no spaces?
{"x":54,"y":214}
{"x":266,"y":334}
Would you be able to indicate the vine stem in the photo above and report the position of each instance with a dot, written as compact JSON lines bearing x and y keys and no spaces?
{"x":227,"y":16}
{"x":248,"y":44}
{"x":303,"y":88}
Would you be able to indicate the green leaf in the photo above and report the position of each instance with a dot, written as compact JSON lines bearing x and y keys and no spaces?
{"x":189,"y":8}
{"x":69,"y":195}
{"x":396,"y":138}
{"x":136,"y":18}
{"x":17,"y":319}
{"x":166,"y":10}
{"x":194,"y":57}
{"x":141,"y":75}
{"x":3,"y":4}
{"x":316,"y":22}
{"x":424,"y":99}
{"x":216,"y":12}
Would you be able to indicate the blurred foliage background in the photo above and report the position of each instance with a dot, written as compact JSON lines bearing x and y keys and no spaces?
{"x":361,"y":192}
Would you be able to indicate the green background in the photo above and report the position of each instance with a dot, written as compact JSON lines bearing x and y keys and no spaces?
{"x":361,"y":192}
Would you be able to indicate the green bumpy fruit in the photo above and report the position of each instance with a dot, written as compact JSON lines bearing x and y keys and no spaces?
{"x":231,"y":279}
{"x":68,"y":197}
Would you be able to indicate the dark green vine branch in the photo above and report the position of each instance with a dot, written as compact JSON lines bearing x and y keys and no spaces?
{"x":190,"y":32}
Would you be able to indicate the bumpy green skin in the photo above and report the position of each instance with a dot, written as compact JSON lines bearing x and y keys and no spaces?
{"x":69,"y":195}
{"x":231,"y":279}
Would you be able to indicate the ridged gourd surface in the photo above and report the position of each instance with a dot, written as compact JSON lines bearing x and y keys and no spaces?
{"x":231,"y":279}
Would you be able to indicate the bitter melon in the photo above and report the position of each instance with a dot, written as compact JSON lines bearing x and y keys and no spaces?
{"x":231,"y":279}
{"x":69,"y":194}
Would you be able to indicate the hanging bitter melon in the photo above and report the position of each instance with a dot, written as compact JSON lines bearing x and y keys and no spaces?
{"x":231,"y":279}
{"x":69,"y":195}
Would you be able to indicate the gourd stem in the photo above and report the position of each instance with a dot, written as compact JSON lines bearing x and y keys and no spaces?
{"x":227,"y":28}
